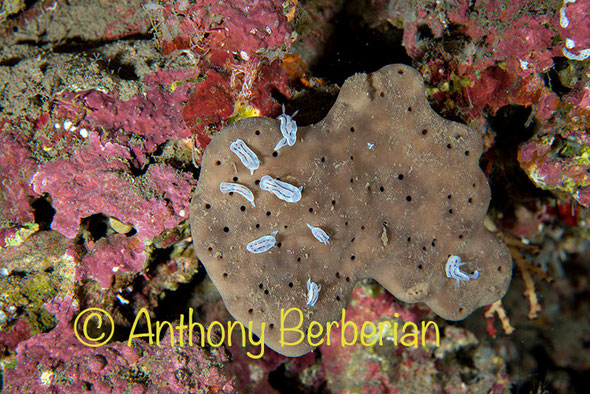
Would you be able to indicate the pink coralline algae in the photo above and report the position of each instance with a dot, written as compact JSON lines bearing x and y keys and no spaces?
{"x":154,"y":118}
{"x":234,"y":26}
{"x":211,"y":103}
{"x":564,"y":169}
{"x":112,"y":255}
{"x":236,"y":46}
{"x":142,"y":122}
{"x":497,"y":31}
{"x":97,"y":179}
{"x":10,"y":338}
{"x":370,"y":373}
{"x":489,"y":92}
{"x":57,"y":362}
{"x":502,"y":53}
{"x":575,"y":29}
{"x":395,"y":367}
{"x":503,"y":50}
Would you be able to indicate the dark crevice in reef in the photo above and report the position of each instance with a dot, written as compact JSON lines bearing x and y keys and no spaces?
{"x":30,"y":3}
{"x":287,"y":382}
{"x":465,"y":357}
{"x":131,"y":232}
{"x":454,"y":40}
{"x":536,"y":381}
{"x":176,"y":302}
{"x":183,"y":166}
{"x":546,"y":373}
{"x":424,"y":33}
{"x":159,"y":157}
{"x":509,"y":182}
{"x":544,"y":377}
{"x":116,"y":67}
{"x":32,"y":43}
{"x":354,"y":47}
{"x":313,"y":104}
{"x":78,"y":45}
{"x":137,"y":170}
{"x":553,"y":81}
{"x":280,"y":381}
{"x":157,"y":257}
{"x":10,"y":62}
{"x":451,"y":42}
{"x":43,"y":212}
{"x":280,"y":98}
{"x":97,"y":225}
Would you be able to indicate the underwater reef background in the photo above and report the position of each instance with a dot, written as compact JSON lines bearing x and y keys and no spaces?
{"x":106,"y":108}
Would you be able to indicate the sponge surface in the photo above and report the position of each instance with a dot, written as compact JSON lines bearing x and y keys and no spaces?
{"x":397,"y":188}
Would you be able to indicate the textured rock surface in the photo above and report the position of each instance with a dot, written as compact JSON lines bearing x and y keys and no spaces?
{"x":394,"y":211}
{"x":57,"y":362}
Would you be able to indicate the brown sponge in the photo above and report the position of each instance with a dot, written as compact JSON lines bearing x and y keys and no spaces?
{"x":397,"y":188}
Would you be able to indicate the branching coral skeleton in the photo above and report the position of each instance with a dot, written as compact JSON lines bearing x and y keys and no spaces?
{"x":516,"y":246}
{"x":497,"y":308}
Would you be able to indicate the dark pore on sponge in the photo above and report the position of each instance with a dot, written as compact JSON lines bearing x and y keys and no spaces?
{"x":397,"y":188}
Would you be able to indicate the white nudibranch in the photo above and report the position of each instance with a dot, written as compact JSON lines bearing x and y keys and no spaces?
{"x":319,"y":234}
{"x":262,"y":244}
{"x":226,"y":187}
{"x":288,"y":129}
{"x":313,"y":292}
{"x":281,"y":189}
{"x":453,"y":270}
{"x":245,"y":154}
